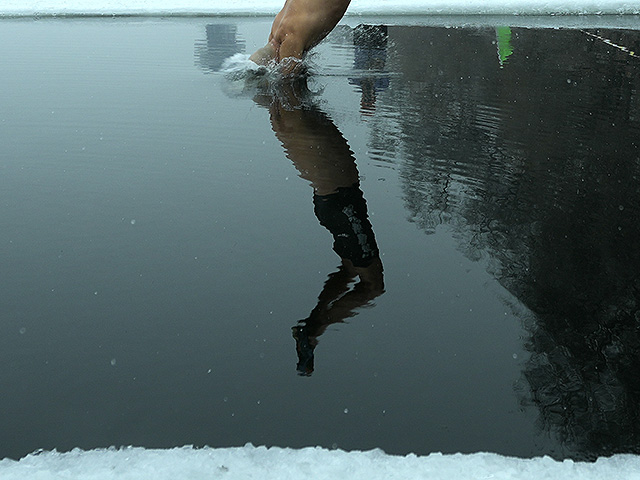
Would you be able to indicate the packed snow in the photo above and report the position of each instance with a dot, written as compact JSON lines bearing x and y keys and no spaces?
{"x":357,"y":7}
{"x":309,"y":463}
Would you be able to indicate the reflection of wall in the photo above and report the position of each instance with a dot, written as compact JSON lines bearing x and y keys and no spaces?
{"x":222,"y":42}
{"x":535,"y":168}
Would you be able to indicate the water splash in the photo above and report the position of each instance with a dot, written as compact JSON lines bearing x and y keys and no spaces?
{"x":264,"y":83}
{"x":239,"y":67}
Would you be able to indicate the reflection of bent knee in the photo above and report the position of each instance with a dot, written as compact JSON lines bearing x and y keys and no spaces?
{"x":373,"y":277}
{"x":344,"y":214}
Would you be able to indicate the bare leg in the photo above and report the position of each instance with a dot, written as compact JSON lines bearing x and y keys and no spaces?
{"x":300,"y":25}
{"x":264,"y":55}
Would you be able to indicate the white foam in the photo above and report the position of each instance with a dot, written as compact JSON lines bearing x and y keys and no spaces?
{"x":357,"y":7}
{"x":246,"y":462}
{"x":239,"y":66}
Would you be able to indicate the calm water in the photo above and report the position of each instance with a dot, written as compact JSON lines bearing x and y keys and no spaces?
{"x":451,"y":214}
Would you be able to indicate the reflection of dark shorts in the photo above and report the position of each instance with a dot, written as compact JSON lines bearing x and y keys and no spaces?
{"x":344,"y":214}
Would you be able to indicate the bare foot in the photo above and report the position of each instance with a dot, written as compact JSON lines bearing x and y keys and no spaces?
{"x":264,"y":55}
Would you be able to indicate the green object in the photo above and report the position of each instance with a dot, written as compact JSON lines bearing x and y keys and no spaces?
{"x":503,"y":36}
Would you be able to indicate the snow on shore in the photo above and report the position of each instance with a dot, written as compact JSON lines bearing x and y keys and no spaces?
{"x":262,"y":463}
{"x":357,"y":7}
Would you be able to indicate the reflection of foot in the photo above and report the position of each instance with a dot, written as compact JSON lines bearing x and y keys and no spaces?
{"x":304,"y":348}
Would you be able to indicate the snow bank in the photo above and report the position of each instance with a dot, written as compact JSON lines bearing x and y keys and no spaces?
{"x":310,"y":463}
{"x":357,"y":7}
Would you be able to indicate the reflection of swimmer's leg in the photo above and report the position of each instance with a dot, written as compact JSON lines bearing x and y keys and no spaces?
{"x":307,"y":331}
{"x":344,"y":214}
{"x":304,"y":349}
{"x":336,"y":285}
{"x":336,"y":303}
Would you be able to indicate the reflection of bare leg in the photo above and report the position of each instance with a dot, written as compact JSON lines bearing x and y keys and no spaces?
{"x":372,"y":276}
{"x":322,"y":155}
{"x":336,"y":302}
{"x":307,"y":331}
{"x":369,"y":286}
{"x":304,"y":348}
{"x":336,"y":285}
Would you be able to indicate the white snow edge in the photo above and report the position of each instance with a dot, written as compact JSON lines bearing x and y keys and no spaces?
{"x":186,"y":463}
{"x":357,"y":7}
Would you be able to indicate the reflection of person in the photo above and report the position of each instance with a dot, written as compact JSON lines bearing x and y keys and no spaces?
{"x":321,"y":154}
{"x":300,"y":26}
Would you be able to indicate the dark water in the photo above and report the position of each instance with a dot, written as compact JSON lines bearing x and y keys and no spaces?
{"x":164,"y":228}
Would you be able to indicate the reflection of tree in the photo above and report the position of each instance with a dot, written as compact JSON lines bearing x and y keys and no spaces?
{"x":535,"y":168}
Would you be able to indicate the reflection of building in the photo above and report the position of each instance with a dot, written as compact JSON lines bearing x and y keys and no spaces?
{"x":370,"y":57}
{"x":222,"y":42}
{"x":534,"y":167}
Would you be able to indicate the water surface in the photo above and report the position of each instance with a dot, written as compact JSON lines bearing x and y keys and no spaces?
{"x":451,"y":213}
